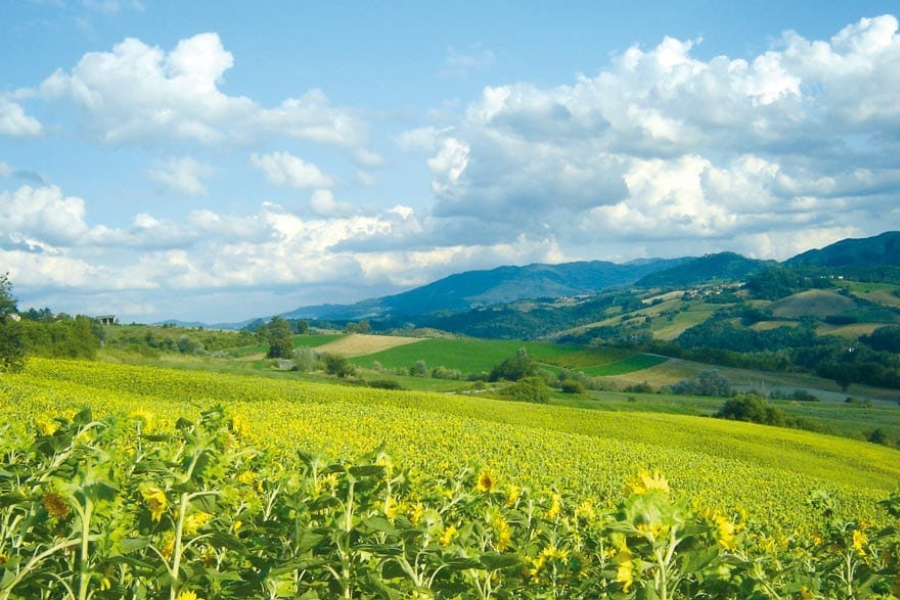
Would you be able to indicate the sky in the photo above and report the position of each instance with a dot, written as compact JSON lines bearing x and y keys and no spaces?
{"x":221,"y":161}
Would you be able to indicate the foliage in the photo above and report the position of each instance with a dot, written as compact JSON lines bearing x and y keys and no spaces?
{"x":781,"y":282}
{"x":196,"y":511}
{"x":279,"y":338}
{"x":884,"y":338}
{"x":336,"y":364}
{"x":514,"y":368}
{"x":12,"y":347}
{"x":528,"y":389}
{"x":304,"y":358}
{"x":707,"y":383}
{"x":572,"y":386}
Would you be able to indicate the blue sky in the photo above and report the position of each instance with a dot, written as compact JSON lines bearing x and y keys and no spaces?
{"x":218,"y":161}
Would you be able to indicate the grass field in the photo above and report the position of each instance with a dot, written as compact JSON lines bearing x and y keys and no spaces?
{"x":477,"y":356}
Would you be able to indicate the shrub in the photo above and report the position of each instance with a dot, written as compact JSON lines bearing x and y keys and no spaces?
{"x":754,"y":409}
{"x":528,"y":389}
{"x":571,"y":386}
{"x":335,"y":364}
{"x":708,"y":383}
{"x":385,"y":384}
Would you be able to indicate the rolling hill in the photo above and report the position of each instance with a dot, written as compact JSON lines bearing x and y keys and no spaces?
{"x":543,"y":299}
{"x":879,"y":250}
{"x":474,"y":289}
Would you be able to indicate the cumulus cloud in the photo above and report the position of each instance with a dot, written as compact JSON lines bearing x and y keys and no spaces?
{"x":141,"y":93}
{"x":14,"y":122}
{"x":323,"y":203}
{"x":285,"y":169}
{"x":182,"y":175}
{"x":663,"y":146}
{"x":41,"y":215}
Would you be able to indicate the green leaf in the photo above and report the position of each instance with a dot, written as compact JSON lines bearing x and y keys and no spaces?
{"x":226,"y":540}
{"x":695,"y":561}
{"x":309,"y":540}
{"x":381,"y":524}
{"x":492,"y":561}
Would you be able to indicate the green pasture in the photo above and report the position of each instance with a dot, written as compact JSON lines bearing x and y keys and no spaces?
{"x":476,"y":356}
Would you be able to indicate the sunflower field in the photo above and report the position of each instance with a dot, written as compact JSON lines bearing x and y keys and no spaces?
{"x":132,"y":482}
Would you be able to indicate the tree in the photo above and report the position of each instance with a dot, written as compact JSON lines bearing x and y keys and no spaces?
{"x":12,"y":347}
{"x":335,"y":364}
{"x":514,"y":369}
{"x":280,"y":343}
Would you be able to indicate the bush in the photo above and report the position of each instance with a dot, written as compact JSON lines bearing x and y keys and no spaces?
{"x":754,"y":409}
{"x":708,"y":383}
{"x":304,"y":358}
{"x":335,"y":364}
{"x":445,"y":373}
{"x":640,"y":388}
{"x":571,"y":386}
{"x":385,"y":384}
{"x":420,"y":369}
{"x":528,"y":389}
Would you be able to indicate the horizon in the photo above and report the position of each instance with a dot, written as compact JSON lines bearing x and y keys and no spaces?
{"x":214,"y":163}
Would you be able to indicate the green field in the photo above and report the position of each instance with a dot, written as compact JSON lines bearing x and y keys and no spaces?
{"x":477,"y":356}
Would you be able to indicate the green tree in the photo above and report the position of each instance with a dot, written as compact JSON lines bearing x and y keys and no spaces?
{"x":280,"y":343}
{"x":12,"y":347}
{"x":514,"y":369}
{"x":338,"y":365}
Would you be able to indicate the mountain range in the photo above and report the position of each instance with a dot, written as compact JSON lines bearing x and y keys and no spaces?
{"x":476,"y":289}
{"x":472,"y":290}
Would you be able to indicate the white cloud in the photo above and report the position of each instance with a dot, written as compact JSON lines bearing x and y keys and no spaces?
{"x":324,"y":204}
{"x":15,"y":123}
{"x":182,"y":175}
{"x":285,"y":169}
{"x":36,"y":215}
{"x":662,"y":146}
{"x":311,"y":117}
{"x":6,"y":170}
{"x":139,"y":93}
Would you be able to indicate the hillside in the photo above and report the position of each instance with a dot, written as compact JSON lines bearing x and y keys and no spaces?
{"x":473,"y":289}
{"x":880,"y":250}
{"x":724,"y":266}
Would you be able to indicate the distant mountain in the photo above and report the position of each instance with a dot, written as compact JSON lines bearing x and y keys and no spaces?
{"x":722,"y":266}
{"x":880,"y":250}
{"x":474,"y":289}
